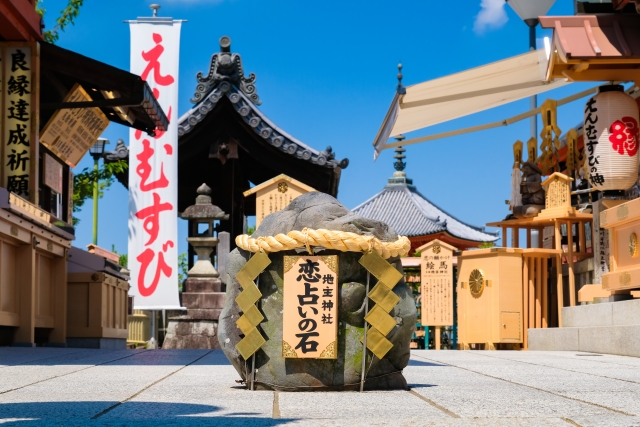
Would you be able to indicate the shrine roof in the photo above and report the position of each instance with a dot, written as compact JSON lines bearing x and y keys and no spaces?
{"x":401,"y":206}
{"x":226,"y":79}
{"x":409,"y":213}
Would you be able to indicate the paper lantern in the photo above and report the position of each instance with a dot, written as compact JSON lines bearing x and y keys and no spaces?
{"x":611,"y":139}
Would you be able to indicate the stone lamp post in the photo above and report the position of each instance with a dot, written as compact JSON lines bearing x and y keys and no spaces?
{"x":202,"y":291}
{"x":203,"y":212}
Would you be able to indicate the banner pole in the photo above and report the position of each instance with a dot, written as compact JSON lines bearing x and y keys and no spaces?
{"x":364,"y":341}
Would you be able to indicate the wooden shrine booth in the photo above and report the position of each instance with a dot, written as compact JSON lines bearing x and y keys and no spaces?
{"x":38,"y":86}
{"x":227,"y":142}
{"x":527,"y":272}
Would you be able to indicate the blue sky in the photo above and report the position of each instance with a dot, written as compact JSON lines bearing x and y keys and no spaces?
{"x":326,"y":73}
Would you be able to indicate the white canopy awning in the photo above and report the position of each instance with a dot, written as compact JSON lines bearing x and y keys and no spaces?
{"x":458,"y":95}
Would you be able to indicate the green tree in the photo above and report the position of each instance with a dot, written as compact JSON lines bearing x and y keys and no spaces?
{"x":83,"y":183}
{"x":486,"y":245}
{"x":67,"y":16}
{"x":123,"y":259}
{"x":183,"y":268}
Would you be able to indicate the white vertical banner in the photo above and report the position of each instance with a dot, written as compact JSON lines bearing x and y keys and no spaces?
{"x":153,"y":171}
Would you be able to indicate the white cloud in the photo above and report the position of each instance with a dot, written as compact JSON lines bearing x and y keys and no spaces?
{"x":491,"y":16}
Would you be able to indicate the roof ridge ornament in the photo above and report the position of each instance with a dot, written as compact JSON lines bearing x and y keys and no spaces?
{"x":400,"y":88}
{"x":226,"y":67}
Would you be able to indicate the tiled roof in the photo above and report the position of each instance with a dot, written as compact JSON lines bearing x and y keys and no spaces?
{"x":409,"y":213}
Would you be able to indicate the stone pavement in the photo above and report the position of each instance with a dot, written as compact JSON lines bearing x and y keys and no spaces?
{"x":70,"y":387}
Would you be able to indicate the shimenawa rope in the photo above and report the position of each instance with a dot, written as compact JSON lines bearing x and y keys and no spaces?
{"x":339,"y":240}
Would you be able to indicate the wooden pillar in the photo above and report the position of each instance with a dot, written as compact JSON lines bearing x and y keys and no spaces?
{"x":25,"y":334}
{"x":532,"y":293}
{"x":515,"y":237}
{"x":572,"y":278}
{"x":525,"y":302}
{"x":436,"y":337}
{"x":545,"y":292}
{"x":538,"y":283}
{"x":504,"y":237}
{"x":58,"y":334}
{"x":528,"y":238}
{"x":558,"y":246}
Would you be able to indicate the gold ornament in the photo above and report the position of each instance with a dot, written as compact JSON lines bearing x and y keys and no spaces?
{"x":476,"y":282}
{"x":633,"y":245}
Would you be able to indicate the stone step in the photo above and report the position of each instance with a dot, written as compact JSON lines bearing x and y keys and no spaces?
{"x":200,"y":300}
{"x":202,"y":285}
{"x":195,"y":314}
{"x":618,"y":339}
{"x":603,"y":314}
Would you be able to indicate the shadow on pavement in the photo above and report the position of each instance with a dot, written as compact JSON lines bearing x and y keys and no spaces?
{"x":413,"y":362}
{"x":115,"y":357}
{"x":129,"y":413}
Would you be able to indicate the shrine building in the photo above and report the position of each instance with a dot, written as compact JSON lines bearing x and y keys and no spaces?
{"x":228,"y":143}
{"x":409,"y":213}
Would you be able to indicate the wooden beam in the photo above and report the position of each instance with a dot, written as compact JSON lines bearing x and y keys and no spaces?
{"x":545,"y":292}
{"x":560,"y":292}
{"x":572,"y":278}
{"x":525,"y":302}
{"x":538,"y":284}
{"x":532,"y":293}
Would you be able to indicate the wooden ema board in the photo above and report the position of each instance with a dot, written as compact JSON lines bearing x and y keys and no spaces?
{"x":310,"y":309}
{"x":437,"y":283}
{"x":623,"y":223}
{"x":71,"y":132}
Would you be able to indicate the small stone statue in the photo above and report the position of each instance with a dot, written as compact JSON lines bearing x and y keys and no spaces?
{"x":533,"y":196}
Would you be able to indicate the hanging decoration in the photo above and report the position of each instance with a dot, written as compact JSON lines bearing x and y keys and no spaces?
{"x":516,"y":176}
{"x":574,"y":158}
{"x":611,"y":139}
{"x":532,"y":150}
{"x":550,"y":134}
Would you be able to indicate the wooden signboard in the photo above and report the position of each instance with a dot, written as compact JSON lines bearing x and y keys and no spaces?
{"x":275,"y":194}
{"x":557,"y":196}
{"x":19,"y":99}
{"x":71,"y":132}
{"x":52,"y":173}
{"x":310,"y":312}
{"x":437,"y":283}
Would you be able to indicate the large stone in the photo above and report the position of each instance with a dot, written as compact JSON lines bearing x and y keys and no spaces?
{"x":319,"y":211}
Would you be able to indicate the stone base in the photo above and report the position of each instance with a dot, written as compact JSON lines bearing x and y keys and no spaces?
{"x":100,"y":343}
{"x":198,"y":327}
{"x":608,"y":328}
{"x":191,"y":333}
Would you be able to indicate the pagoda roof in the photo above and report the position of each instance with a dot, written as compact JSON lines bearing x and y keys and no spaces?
{"x":401,"y":206}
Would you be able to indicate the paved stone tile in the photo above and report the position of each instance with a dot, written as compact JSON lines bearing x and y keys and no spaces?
{"x":60,"y":387}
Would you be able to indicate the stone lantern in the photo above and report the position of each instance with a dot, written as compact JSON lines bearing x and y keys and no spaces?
{"x":202,"y":294}
{"x":203,"y":212}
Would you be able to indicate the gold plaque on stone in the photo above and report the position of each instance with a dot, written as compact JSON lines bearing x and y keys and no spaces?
{"x":310,"y":309}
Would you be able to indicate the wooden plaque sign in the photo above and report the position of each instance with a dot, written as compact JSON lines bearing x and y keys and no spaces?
{"x":437,"y":283}
{"x":19,"y":98}
{"x":52,"y":173}
{"x":310,"y":312}
{"x":70,"y":133}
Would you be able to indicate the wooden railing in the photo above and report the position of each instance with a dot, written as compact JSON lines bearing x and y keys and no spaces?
{"x":139,"y":325}
{"x":535,"y":292}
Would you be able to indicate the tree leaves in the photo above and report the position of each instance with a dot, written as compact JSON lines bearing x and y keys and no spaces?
{"x":83,"y":183}
{"x":67,"y":16}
